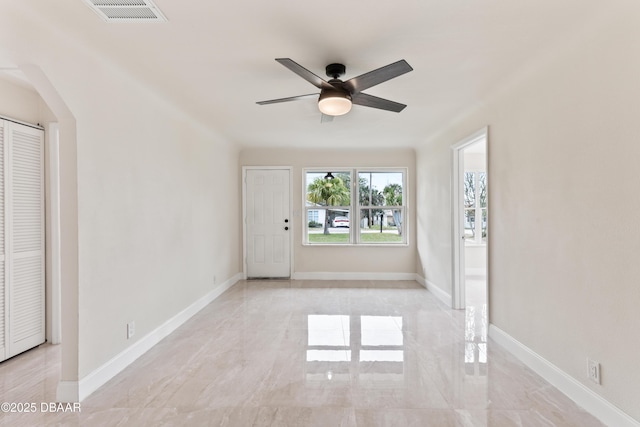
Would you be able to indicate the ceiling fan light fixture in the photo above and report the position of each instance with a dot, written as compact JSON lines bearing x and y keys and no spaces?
{"x":334,"y":103}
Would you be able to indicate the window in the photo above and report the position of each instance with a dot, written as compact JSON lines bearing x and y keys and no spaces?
{"x":330,"y":196}
{"x":475,"y":207}
{"x":312,"y":217}
{"x":355,"y":206}
{"x":380,"y":197}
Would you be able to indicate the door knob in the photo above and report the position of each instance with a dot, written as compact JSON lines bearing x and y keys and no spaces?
{"x":286,"y":228}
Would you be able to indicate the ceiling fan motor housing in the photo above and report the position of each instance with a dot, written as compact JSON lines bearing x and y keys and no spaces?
{"x":334,"y":93}
{"x":335,"y":70}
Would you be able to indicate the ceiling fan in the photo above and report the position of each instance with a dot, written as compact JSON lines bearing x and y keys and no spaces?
{"x":336,"y":97}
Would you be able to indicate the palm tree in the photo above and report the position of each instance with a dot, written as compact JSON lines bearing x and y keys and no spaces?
{"x":328,"y":192}
{"x":393,"y":197}
{"x":368,"y":196}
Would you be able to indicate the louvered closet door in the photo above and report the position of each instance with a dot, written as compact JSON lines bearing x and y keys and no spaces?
{"x":25,"y":243}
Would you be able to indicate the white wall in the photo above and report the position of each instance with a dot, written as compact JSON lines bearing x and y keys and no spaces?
{"x":158,"y":220}
{"x":19,"y":102}
{"x":158,"y":215}
{"x":564,"y":239}
{"x":334,"y":259}
{"x":158,"y":199}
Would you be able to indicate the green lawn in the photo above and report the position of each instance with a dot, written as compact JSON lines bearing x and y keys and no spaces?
{"x":380,"y":238}
{"x":364,"y":238}
{"x":329,"y":238}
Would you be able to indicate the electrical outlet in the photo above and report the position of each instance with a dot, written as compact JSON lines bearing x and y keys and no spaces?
{"x":131,"y":329}
{"x":593,"y":371}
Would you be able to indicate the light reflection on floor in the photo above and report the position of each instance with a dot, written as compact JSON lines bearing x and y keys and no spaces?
{"x":341,"y":344}
{"x":476,"y":327}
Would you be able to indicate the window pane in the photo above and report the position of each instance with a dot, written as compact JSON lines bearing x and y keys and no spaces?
{"x":369,"y":218}
{"x":469,"y":190}
{"x":368,"y":196}
{"x":332,"y":226}
{"x":482,"y":190}
{"x":469,"y":223}
{"x":325,"y":190}
{"x":380,"y":188}
{"x":381,"y":226}
{"x":484,"y":225}
{"x":313,"y":218}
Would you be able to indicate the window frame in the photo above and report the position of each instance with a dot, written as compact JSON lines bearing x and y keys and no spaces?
{"x":354,"y":207}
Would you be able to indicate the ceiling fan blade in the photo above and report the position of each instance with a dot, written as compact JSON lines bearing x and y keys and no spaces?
{"x":326,"y":118}
{"x":291,"y":98}
{"x":375,"y":77}
{"x":304,"y":73}
{"x":375,"y":102}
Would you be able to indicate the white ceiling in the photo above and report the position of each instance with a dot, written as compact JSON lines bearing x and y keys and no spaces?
{"x":216,"y":59}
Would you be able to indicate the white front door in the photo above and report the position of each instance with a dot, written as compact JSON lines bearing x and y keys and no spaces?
{"x":268,"y":223}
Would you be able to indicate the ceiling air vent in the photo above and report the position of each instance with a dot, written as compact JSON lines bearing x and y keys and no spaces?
{"x":127,"y":10}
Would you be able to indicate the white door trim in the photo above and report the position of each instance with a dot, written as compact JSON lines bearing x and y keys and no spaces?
{"x":53,"y":161}
{"x":244,"y":214}
{"x":457,"y":220}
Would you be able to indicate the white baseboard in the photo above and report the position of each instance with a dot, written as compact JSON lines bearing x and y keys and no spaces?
{"x":76,"y":391}
{"x":352,"y":276}
{"x":589,"y":400}
{"x":435,"y":290}
{"x":422,"y":281}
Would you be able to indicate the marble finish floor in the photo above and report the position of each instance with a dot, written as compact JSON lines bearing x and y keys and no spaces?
{"x":310,"y":353}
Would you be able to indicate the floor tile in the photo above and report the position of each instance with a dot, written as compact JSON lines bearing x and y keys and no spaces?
{"x":311,"y":353}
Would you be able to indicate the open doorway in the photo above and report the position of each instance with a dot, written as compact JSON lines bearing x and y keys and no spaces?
{"x":59,"y":174}
{"x":470,"y":219}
